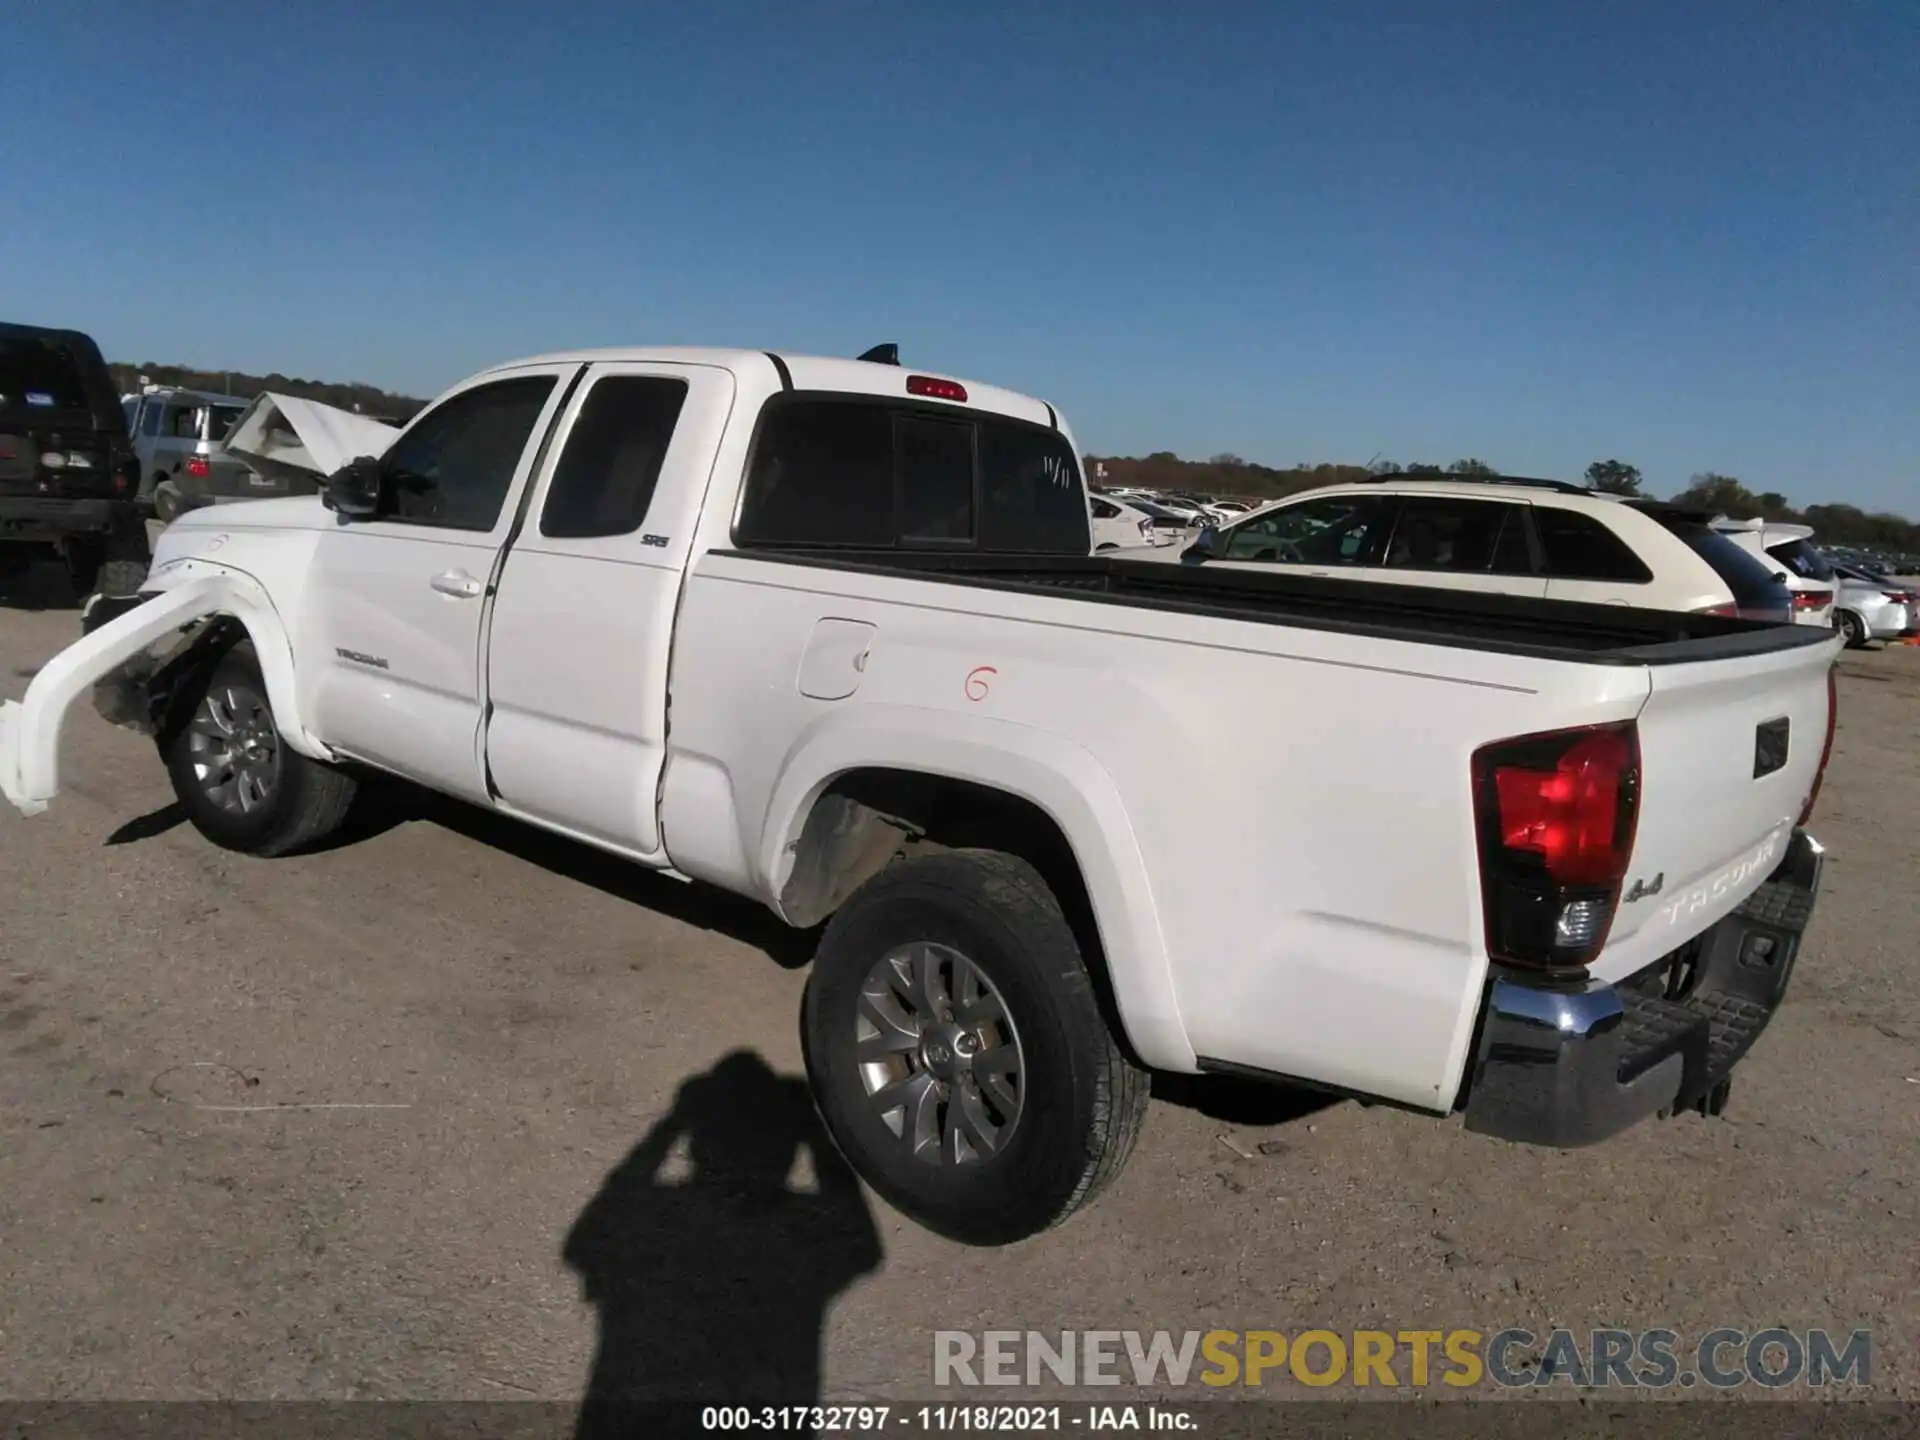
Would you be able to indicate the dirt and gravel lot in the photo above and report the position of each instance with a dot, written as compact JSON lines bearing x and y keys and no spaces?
{"x":376,"y":1123}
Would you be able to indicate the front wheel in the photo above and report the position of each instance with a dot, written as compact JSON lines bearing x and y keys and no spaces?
{"x":958,"y":1052}
{"x":241,"y":785}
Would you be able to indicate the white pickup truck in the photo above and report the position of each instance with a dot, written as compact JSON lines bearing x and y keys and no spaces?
{"x":828,"y":634}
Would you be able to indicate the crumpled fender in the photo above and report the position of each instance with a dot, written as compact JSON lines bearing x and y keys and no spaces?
{"x":30,"y":727}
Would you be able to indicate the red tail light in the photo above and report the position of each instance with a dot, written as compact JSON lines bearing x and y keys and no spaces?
{"x":197,"y":465}
{"x":1826,"y":750}
{"x":1811,"y":599}
{"x":1556,"y":816}
{"x":936,"y":389}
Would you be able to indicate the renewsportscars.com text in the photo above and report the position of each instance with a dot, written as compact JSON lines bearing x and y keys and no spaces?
{"x":1650,"y":1359}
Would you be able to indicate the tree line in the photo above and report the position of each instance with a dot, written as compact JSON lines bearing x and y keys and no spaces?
{"x":1227,"y":474}
{"x":369,"y":400}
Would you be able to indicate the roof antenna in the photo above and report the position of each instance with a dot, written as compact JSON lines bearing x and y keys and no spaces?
{"x":888,"y":354}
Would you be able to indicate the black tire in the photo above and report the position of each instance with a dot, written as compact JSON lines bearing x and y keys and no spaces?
{"x":84,"y":559}
{"x":304,"y":802}
{"x":1081,"y":1101}
{"x":166,"y":505}
{"x":114,"y":565}
{"x":1854,"y":628}
{"x":120,"y":577}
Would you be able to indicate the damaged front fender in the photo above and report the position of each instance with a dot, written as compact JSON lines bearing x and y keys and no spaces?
{"x":30,"y":727}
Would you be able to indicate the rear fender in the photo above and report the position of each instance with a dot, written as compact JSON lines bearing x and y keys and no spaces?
{"x":30,"y":727}
{"x":1061,"y":778}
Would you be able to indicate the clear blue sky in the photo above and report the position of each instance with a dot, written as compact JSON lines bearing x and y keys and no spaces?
{"x":1536,"y":232}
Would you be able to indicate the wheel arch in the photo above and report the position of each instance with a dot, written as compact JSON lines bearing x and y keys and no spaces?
{"x":853,"y":796}
{"x":238,"y":607}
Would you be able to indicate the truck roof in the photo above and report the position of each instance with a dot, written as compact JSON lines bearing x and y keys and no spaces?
{"x":804,"y":372}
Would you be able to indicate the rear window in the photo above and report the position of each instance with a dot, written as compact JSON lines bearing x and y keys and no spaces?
{"x":1579,"y":547}
{"x":1750,"y":582}
{"x":1031,"y":496}
{"x":220,"y":421}
{"x":839,"y":472}
{"x":38,"y":376}
{"x":1802,"y":559}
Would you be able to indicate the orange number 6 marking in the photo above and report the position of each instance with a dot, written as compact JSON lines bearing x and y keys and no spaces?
{"x":977,"y":679}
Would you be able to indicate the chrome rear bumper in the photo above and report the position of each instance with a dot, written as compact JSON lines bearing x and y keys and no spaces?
{"x":1571,"y":1066}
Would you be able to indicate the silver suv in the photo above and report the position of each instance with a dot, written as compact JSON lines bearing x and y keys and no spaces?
{"x":177,"y":436}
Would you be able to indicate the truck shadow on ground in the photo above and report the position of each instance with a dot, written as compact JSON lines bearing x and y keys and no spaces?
{"x":1234,"y":1101}
{"x":384,"y":803}
{"x":713,"y":1253}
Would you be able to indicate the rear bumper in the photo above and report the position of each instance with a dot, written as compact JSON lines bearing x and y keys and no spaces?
{"x":49,"y":517}
{"x":1569,"y":1067}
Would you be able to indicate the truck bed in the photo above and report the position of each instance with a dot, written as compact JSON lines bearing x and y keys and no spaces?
{"x":1515,"y":625}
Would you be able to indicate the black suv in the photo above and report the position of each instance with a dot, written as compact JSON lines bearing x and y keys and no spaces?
{"x":68,"y":476}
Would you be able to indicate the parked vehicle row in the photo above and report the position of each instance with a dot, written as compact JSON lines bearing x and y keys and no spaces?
{"x":1186,"y":509}
{"x":830,"y":635}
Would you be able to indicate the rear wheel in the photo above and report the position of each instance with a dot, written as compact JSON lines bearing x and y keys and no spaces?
{"x":958,"y":1053}
{"x":241,"y":785}
{"x":1854,"y":628}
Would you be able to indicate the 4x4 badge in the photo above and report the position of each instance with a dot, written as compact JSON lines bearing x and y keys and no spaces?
{"x":1641,"y":889}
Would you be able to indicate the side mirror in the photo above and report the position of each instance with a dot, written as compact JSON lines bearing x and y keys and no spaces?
{"x":354,"y":489}
{"x":1781,"y":577}
{"x":1209,"y":544}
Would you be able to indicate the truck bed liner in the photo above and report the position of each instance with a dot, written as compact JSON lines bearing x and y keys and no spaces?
{"x":1519,"y":625}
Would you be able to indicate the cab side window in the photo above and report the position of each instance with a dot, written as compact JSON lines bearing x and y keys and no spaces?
{"x":453,"y":469}
{"x":606,"y":476}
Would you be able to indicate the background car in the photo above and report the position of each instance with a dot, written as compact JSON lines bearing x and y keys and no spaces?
{"x":176,"y":435}
{"x":1541,"y":538}
{"x":67,"y":473}
{"x":1117,"y":525}
{"x":1174,"y":524}
{"x":1872,"y":607}
{"x":1790,"y":547}
{"x":1190,"y":511}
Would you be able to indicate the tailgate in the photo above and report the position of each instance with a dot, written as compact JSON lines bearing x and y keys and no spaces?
{"x":1729,"y":750}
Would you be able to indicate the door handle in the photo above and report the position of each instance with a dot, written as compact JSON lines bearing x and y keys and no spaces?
{"x":458,"y":584}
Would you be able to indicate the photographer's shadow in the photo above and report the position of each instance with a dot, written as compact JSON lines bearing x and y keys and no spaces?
{"x":711,"y":1272}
